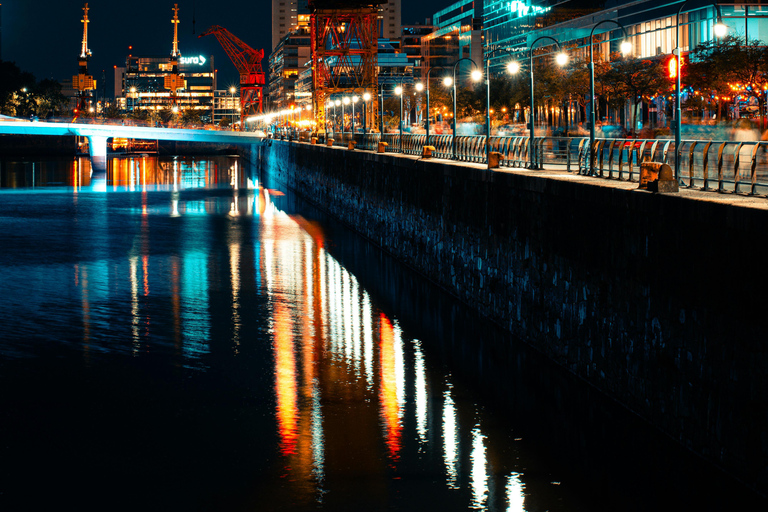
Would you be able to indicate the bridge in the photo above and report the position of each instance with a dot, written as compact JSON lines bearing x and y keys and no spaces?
{"x":99,"y":134}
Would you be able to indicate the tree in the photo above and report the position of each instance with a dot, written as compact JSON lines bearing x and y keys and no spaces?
{"x":731,"y":65}
{"x":636,"y":79}
{"x":14,"y":101}
{"x":49,"y":99}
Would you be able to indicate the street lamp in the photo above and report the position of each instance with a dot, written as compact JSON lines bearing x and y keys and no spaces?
{"x":366,"y":99}
{"x":476,"y":75}
{"x":447,"y":85}
{"x":561,"y":59}
{"x":720,"y":31}
{"x":355,"y":99}
{"x":232,"y":102}
{"x":626,"y":47}
{"x":336,"y":103}
{"x":399,"y":92}
{"x":512,"y":67}
{"x":344,"y":101}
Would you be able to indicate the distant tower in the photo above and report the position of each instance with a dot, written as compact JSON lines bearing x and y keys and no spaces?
{"x":84,"y":83}
{"x":174,"y":82}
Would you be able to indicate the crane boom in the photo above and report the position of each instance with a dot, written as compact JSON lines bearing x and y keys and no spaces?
{"x":248,"y":64}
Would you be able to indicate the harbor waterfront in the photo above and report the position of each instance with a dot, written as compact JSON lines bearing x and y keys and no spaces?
{"x":179,"y":333}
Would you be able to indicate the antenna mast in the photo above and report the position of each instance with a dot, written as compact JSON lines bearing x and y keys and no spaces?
{"x":175,"y":21}
{"x":85,"y":52}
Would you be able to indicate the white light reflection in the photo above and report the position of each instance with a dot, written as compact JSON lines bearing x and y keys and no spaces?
{"x":368,"y":339}
{"x":318,"y":443}
{"x":234,"y":272}
{"x":355,"y":307}
{"x":478,"y":475}
{"x":421,"y":392}
{"x":450,"y":440}
{"x":134,"y":269}
{"x":515,"y":493}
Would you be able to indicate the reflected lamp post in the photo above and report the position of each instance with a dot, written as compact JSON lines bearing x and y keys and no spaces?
{"x":561,"y":59}
{"x":476,"y":75}
{"x":720,"y":30}
{"x":626,"y":48}
{"x":513,"y":67}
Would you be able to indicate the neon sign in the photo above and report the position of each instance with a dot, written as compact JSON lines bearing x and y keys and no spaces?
{"x":199,"y":60}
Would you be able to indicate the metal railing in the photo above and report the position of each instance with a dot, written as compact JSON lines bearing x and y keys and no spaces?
{"x":721,"y":166}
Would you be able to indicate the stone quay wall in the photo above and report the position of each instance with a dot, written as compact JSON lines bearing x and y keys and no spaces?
{"x":658,"y":300}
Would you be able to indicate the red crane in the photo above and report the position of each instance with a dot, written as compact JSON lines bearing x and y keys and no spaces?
{"x":248,"y":64}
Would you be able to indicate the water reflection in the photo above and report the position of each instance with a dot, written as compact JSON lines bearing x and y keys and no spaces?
{"x":338,"y":402}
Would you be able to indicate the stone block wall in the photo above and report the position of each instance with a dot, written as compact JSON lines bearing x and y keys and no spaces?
{"x":656,"y":300}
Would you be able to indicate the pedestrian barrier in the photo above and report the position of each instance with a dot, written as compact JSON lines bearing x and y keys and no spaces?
{"x":722,"y":166}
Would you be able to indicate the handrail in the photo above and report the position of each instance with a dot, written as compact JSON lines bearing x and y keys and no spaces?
{"x":742,"y":166}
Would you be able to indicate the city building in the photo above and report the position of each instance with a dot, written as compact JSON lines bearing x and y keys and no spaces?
{"x":457,"y":34}
{"x":410,"y":44}
{"x":142,"y":84}
{"x":287,"y":16}
{"x":288,"y":58}
{"x":390,"y":20}
{"x":226,"y":105}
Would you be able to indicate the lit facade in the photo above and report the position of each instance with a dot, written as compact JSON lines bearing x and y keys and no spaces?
{"x":457,"y":35}
{"x":285,"y":62}
{"x":143,"y":84}
{"x":287,"y":16}
{"x":410,"y":44}
{"x":226,"y":105}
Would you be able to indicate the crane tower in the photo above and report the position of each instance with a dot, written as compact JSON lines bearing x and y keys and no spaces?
{"x":344,"y":44}
{"x":82,"y":82}
{"x":248,"y":64}
{"x":174,"y":81}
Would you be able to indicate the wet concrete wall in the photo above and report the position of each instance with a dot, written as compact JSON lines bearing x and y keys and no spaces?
{"x":657,"y":300}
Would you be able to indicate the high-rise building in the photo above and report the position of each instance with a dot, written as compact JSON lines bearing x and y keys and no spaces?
{"x":287,"y":16}
{"x":143,"y":84}
{"x":390,"y":20}
{"x":285,"y":62}
{"x":410,"y":44}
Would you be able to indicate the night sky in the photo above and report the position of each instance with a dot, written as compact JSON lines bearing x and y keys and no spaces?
{"x":44,"y":36}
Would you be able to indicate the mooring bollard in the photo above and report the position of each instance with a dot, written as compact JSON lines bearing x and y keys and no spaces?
{"x":494,"y":159}
{"x":657,"y":177}
{"x":329,"y":142}
{"x":426,"y":151}
{"x":383,"y":147}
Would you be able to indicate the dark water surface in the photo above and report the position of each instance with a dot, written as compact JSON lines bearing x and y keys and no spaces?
{"x":178,"y":335}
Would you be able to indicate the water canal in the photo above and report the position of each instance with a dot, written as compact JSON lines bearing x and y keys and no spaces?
{"x":179,"y":335}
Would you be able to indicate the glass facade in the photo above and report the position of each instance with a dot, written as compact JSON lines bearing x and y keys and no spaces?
{"x":143,"y":84}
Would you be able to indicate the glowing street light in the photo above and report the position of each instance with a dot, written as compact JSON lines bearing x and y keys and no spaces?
{"x":626,"y":48}
{"x":561,"y":59}
{"x":399,"y":92}
{"x":720,"y":31}
{"x":475,"y":75}
{"x":512,"y":67}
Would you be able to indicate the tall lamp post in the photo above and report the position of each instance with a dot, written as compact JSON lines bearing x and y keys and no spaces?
{"x":366,"y":99}
{"x":561,"y":60}
{"x":399,"y":92}
{"x":381,"y":117}
{"x":513,"y":67}
{"x":337,"y":103}
{"x":344,"y":101}
{"x":355,"y":99}
{"x":476,"y":75}
{"x":720,"y":31}
{"x":232,"y":103}
{"x":626,"y":47}
{"x":446,"y":81}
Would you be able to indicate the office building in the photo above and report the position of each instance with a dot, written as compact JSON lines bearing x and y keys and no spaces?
{"x":285,"y":62}
{"x":288,"y":16}
{"x":143,"y":84}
